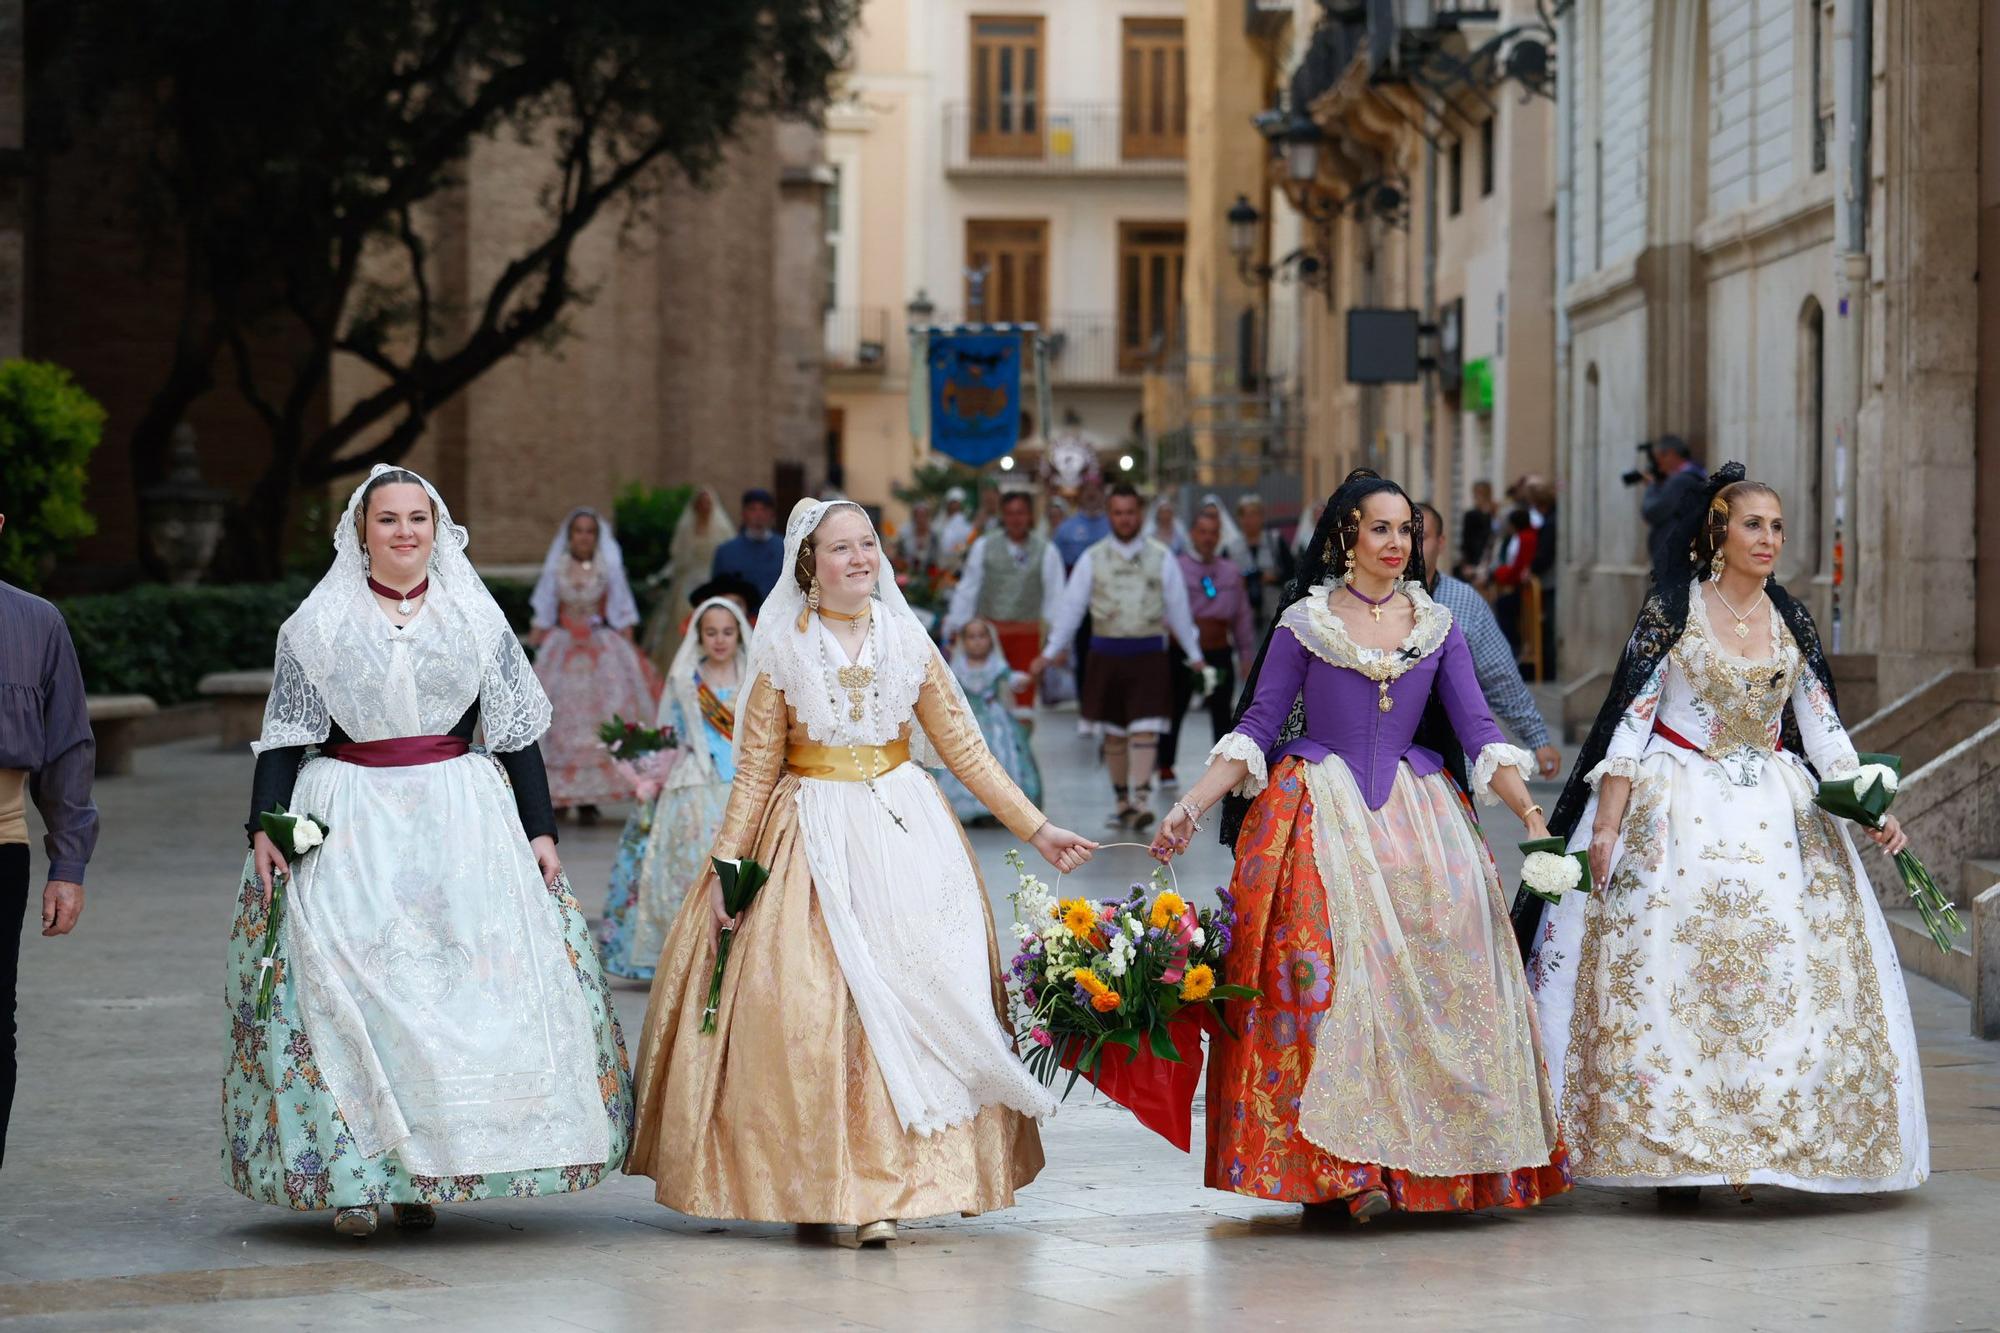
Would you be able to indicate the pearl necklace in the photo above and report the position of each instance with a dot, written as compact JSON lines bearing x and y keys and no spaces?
{"x":1742,"y":618}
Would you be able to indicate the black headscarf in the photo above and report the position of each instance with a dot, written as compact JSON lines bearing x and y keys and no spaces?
{"x":1324,"y":561}
{"x":1662,"y":621}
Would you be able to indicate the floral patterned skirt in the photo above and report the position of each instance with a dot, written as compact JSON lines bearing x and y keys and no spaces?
{"x":588,"y":680}
{"x":662,"y":851}
{"x":284,"y":1140}
{"x":1285,"y":945}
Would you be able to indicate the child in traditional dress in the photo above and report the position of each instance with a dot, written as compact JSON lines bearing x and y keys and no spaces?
{"x":989,"y":685}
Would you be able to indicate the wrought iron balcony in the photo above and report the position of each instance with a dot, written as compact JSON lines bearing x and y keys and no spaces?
{"x":1027,"y":137}
{"x":1085,"y":349}
{"x":857,"y":338}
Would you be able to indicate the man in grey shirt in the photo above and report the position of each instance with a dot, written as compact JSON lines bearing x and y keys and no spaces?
{"x":1492,"y":660}
{"x":47,"y":752}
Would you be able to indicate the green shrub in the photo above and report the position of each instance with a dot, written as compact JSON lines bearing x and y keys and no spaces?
{"x":161,"y":640}
{"x":48,"y":426}
{"x":644,"y":517}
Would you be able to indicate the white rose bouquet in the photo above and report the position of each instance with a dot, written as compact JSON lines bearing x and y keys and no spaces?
{"x":1865,"y":796}
{"x":1550,"y":870}
{"x":294,"y":835}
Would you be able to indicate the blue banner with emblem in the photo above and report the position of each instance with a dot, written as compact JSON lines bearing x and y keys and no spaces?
{"x":975,"y":394}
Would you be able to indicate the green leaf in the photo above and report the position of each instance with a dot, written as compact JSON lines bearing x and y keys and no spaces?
{"x":1162,"y":1045}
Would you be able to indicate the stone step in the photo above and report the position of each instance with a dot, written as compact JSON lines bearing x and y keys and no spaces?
{"x":1954,"y":971}
{"x":1976,"y":875}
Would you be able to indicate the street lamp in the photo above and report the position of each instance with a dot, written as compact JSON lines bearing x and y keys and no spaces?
{"x":1301,"y":140}
{"x":1243,"y":219}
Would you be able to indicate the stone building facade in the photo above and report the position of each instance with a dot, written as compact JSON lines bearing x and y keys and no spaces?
{"x":1769,"y":242}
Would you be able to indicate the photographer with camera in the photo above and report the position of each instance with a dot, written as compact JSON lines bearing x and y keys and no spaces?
{"x":1670,"y":474}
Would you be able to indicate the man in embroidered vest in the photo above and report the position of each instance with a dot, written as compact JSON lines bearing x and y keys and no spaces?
{"x":1012,"y":578}
{"x":1135,"y":596}
{"x":47,"y":752}
{"x":1220,"y":603}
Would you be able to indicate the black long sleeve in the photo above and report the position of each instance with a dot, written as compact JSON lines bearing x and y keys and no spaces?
{"x":278,"y":773}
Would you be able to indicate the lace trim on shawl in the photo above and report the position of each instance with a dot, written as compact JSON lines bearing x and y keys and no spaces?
{"x":1326,"y":637}
{"x":900,"y":657}
{"x":1235,"y":745}
{"x":1491,"y":760}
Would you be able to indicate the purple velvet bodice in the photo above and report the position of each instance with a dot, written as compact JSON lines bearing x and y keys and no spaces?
{"x":1344,"y":716}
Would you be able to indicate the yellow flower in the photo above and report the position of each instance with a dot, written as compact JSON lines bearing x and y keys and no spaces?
{"x":1198,"y":983}
{"x":1087,"y":979}
{"x":1167,"y":909}
{"x":1079,"y":918}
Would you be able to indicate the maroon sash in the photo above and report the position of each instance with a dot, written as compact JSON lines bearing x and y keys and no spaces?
{"x":1672,"y":737}
{"x":398,"y":751}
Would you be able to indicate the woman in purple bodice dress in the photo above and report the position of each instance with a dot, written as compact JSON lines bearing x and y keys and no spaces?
{"x":1391,"y":1061}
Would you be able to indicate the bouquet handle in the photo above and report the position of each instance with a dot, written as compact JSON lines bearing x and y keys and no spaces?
{"x":1173,"y":878}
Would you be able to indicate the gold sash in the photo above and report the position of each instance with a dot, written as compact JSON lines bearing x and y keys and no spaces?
{"x":845,"y":763}
{"x":14,"y":806}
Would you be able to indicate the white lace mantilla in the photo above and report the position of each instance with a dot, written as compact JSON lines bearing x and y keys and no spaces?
{"x":340,"y":659}
{"x":1325,"y":636}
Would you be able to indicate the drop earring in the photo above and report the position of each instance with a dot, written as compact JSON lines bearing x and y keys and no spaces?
{"x":1716,"y":565}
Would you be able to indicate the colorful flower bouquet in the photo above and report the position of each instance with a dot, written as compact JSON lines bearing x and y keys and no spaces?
{"x":1119,"y":992}
{"x":294,"y":835}
{"x":1865,"y":798}
{"x":643,"y":755}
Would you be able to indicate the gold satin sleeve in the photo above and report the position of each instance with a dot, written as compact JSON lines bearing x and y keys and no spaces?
{"x":956,"y":736}
{"x":763,"y":719}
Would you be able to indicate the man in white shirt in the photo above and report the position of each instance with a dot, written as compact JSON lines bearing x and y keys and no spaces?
{"x":955,"y":532}
{"x":1136,"y":598}
{"x":1012,"y":578}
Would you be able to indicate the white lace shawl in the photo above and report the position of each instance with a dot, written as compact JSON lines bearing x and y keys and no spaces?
{"x":620,"y":610}
{"x":796,"y":658}
{"x":697,"y":765}
{"x":339,"y":658}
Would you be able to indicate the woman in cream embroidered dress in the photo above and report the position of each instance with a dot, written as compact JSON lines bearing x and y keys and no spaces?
{"x":1392,"y":1060}
{"x":1727,"y":1006}
{"x":704,"y":525}
{"x":860,"y":1070}
{"x":586,"y":660}
{"x":439,"y":1031}
{"x":665,"y":845}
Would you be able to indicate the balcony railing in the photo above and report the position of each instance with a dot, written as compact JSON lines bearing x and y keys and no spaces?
{"x":1064,"y":139}
{"x":857,"y":338}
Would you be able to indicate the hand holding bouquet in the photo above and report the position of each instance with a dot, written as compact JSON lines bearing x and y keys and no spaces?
{"x":1865,"y":798}
{"x":295,"y":835}
{"x":632,"y":740}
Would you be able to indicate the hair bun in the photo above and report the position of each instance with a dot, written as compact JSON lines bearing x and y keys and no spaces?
{"x":1362,"y":474}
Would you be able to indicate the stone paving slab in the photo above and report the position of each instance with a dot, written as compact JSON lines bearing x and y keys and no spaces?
{"x":114,"y":1213}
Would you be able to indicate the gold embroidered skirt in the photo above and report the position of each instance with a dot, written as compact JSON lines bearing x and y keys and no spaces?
{"x":780,"y":1114}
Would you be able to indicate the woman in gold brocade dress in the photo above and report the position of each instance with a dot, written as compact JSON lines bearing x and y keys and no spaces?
{"x":860,"y":1070}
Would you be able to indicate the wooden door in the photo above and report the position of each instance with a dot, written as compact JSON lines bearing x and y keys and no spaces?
{"x":1014,"y":256}
{"x":1151,"y":259}
{"x":1007,"y":80}
{"x":1154,"y":117}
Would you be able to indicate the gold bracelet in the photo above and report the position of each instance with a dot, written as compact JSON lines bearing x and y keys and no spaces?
{"x":1532,"y":810}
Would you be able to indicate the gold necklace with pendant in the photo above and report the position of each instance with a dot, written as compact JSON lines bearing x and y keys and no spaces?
{"x":1742,"y":620}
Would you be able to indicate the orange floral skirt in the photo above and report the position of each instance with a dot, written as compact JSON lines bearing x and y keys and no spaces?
{"x":1282,"y":944}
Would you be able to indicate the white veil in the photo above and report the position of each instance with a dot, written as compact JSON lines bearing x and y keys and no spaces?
{"x":785,"y":648}
{"x":315,"y":676}
{"x":696,"y":764}
{"x":620,"y":610}
{"x":1232,"y":544}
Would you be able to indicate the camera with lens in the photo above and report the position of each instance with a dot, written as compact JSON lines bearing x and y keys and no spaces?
{"x":1649,"y":470}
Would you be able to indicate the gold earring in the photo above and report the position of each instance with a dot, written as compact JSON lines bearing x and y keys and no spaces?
{"x":812,"y":594}
{"x":1715,"y":566}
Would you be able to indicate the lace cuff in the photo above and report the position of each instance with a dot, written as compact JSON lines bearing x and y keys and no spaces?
{"x":1618,"y":766}
{"x":1491,"y":760}
{"x":1236,"y":745}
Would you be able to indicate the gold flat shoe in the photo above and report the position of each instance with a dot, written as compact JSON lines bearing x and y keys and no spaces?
{"x":356,"y":1222}
{"x":1368,"y":1205}
{"x":876,"y":1233}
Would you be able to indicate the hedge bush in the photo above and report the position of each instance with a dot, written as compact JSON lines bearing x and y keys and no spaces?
{"x":48,"y":427}
{"x":161,"y":640}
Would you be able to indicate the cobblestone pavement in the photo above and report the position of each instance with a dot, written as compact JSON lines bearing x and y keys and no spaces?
{"x":114,"y":1212}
